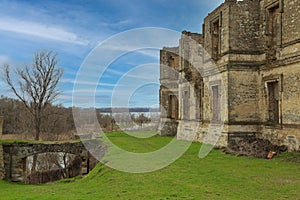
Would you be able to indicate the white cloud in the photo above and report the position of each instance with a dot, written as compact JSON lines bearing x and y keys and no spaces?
{"x":72,"y":81}
{"x":4,"y":59}
{"x":40,"y":30}
{"x":116,"y":72}
{"x":149,"y":71}
{"x":116,"y":24}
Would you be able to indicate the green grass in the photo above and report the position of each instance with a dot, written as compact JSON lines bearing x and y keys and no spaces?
{"x":217,"y":176}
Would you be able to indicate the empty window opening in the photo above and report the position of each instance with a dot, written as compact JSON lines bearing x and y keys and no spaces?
{"x":273,"y":31}
{"x":273,"y":102}
{"x":173,"y":107}
{"x":215,"y":39}
{"x":199,"y":102}
{"x":171,"y":62}
{"x":172,"y":68}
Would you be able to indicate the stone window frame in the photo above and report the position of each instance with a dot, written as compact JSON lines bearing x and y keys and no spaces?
{"x":164,"y":101}
{"x":211,"y":85}
{"x":171,"y":67}
{"x":171,"y":97}
{"x":171,"y":61}
{"x":199,"y":102}
{"x":217,"y":19}
{"x":270,"y":79}
{"x":268,"y":7}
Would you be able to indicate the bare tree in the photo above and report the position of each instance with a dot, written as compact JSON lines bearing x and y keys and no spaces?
{"x":36,"y":85}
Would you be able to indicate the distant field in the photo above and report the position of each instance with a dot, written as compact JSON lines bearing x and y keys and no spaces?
{"x":217,"y":176}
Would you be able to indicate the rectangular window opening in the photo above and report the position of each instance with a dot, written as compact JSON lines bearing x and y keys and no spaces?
{"x":215,"y":39}
{"x":199,"y":103}
{"x":173,"y":107}
{"x":274,"y":30}
{"x":273,"y":102}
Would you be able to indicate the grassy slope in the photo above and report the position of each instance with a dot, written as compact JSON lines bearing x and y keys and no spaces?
{"x":217,"y":176}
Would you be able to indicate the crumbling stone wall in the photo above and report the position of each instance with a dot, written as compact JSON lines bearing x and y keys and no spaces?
{"x":284,"y":69}
{"x":220,"y":16}
{"x":251,"y":47}
{"x":286,"y":131}
{"x":290,"y":22}
{"x":168,"y":94}
{"x":244,"y":27}
{"x":15,"y":155}
{"x":243,"y":97}
{"x":2,"y":170}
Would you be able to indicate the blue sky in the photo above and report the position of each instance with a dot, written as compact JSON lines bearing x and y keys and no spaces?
{"x":74,"y":28}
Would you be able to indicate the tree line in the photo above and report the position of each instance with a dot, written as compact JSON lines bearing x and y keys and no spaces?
{"x":33,"y":112}
{"x":58,"y":120}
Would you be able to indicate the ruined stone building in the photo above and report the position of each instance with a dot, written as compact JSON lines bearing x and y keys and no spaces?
{"x":241,"y":76}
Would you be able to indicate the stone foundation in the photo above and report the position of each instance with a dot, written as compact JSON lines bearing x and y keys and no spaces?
{"x":169,"y":128}
{"x":232,"y":137}
{"x":282,"y":136}
{"x":187,"y":130}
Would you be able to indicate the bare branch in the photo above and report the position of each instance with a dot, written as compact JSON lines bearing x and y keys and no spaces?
{"x":36,"y":84}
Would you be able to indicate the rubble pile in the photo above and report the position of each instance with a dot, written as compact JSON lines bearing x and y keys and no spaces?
{"x":259,"y":148}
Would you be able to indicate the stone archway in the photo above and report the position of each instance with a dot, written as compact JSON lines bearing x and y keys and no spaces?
{"x":15,"y":154}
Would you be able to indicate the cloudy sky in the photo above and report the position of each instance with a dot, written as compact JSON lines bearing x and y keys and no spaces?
{"x":77,"y":29}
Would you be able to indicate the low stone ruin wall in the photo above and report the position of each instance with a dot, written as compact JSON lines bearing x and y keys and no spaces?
{"x":2,"y":170}
{"x":13,"y":159}
{"x":169,"y":128}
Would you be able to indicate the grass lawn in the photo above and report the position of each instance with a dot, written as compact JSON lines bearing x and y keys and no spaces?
{"x":217,"y":176}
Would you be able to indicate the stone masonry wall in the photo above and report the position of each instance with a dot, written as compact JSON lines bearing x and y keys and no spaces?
{"x":243,"y":97}
{"x":291,"y":16}
{"x":222,"y":14}
{"x":285,"y":70}
{"x":169,"y":128}
{"x":169,"y":76}
{"x":287,"y":130}
{"x":245,"y":34}
{"x":252,"y":47}
{"x":169,"y":64}
{"x":2,"y":170}
{"x":16,"y":153}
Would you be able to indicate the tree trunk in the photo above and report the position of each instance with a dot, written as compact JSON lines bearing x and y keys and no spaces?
{"x":37,"y":134}
{"x":37,"y":126}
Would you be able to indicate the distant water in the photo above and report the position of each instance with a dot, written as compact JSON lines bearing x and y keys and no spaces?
{"x":146,"y":114}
